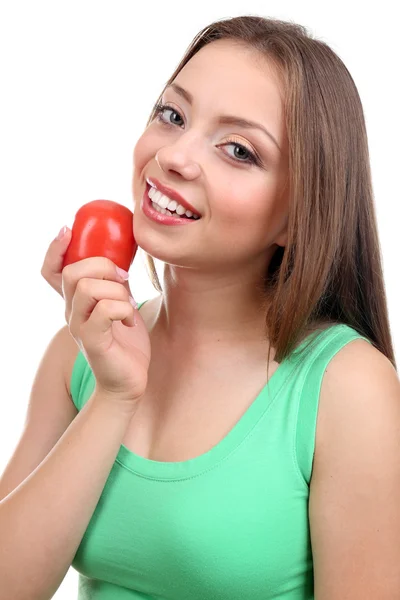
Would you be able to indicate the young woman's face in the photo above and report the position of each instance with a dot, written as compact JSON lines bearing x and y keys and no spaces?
{"x":232,"y":174}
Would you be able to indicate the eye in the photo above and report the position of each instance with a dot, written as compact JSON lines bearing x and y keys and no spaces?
{"x":162,"y":109}
{"x":242,"y":154}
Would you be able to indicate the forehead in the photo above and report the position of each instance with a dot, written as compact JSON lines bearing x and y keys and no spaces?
{"x":226,"y":75}
{"x":227,"y":78}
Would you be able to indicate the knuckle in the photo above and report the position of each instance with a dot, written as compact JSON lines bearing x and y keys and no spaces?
{"x":83,"y":285}
{"x":45,"y":273}
{"x":103,"y":307}
{"x":67,"y":273}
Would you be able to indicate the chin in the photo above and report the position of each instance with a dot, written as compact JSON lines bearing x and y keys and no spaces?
{"x":147,"y":241}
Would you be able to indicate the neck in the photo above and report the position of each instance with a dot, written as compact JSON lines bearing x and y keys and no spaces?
{"x":205,"y":311}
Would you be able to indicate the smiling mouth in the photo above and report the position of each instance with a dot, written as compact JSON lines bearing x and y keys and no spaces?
{"x":165,"y":205}
{"x":159,"y":214}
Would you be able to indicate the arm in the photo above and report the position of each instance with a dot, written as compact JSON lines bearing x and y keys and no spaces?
{"x":53,"y":483}
{"x":50,"y":411}
{"x":354,"y":504}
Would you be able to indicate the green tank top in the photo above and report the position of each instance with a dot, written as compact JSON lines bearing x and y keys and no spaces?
{"x":230,"y":524}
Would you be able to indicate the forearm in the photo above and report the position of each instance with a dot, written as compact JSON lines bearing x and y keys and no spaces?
{"x":44,"y":519}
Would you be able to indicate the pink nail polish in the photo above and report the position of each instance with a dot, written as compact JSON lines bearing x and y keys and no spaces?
{"x":133,"y":302}
{"x":63,"y":231}
{"x":123,"y":274}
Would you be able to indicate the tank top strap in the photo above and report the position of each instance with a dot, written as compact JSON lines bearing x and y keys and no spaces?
{"x":312,"y":370}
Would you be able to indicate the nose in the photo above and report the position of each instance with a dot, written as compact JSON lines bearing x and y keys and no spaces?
{"x":178,"y":159}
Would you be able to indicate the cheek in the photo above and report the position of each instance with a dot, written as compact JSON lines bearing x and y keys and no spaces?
{"x":248,"y":212}
{"x":143,"y":151}
{"x":247,"y":203}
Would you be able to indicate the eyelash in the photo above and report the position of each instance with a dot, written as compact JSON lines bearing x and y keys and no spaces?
{"x":252,"y":159}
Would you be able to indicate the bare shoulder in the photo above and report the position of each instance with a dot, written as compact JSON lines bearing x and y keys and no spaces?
{"x":358,"y":377}
{"x":359,"y":399}
{"x":355,"y":484}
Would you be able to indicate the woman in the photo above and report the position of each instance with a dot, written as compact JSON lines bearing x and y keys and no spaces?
{"x":242,"y":440}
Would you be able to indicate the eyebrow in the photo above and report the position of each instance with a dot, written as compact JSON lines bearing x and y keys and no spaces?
{"x":226,"y":119}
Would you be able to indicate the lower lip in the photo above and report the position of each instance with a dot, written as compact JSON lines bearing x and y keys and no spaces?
{"x":154,"y":215}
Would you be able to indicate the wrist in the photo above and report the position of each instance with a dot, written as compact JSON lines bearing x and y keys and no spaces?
{"x":118,"y":403}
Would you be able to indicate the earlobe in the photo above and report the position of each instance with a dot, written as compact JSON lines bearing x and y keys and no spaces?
{"x":282,"y":240}
{"x":282,"y":237}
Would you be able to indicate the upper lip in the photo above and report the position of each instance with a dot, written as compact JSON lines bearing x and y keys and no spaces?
{"x":164,"y":189}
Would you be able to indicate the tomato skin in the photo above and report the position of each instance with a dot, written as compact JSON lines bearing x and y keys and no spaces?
{"x":102,"y":228}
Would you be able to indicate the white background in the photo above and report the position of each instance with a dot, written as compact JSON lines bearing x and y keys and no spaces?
{"x":78,"y":80}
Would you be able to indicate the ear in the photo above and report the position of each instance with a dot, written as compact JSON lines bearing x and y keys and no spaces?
{"x":282,"y":238}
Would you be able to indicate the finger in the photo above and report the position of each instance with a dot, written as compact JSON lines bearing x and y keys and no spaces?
{"x":126,"y":285}
{"x":97,"y":267}
{"x":53,"y":260}
{"x":96,"y":333}
{"x":89,"y":292}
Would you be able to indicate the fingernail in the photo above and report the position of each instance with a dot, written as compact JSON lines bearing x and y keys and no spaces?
{"x":63,"y":231}
{"x":132,"y":301}
{"x":123,"y":274}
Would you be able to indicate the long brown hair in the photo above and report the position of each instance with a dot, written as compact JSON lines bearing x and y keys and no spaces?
{"x":331,"y":268}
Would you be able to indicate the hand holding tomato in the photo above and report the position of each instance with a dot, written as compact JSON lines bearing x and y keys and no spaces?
{"x":81,"y":266}
{"x":100,"y":318}
{"x":101,"y":228}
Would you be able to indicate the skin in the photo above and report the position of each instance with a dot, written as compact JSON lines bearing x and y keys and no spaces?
{"x":210,"y":296}
{"x":213,"y":266}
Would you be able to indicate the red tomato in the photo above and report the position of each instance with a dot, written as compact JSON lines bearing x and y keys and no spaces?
{"x":102,"y":228}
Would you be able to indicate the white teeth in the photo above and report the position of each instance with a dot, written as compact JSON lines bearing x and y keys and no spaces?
{"x":172,"y":204}
{"x":161,"y":200}
{"x":164,"y":202}
{"x":163,"y":211}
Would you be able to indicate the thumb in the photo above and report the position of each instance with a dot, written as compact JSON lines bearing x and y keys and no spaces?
{"x":57,"y":249}
{"x":54,"y":258}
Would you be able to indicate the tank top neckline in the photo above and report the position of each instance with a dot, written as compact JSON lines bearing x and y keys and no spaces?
{"x":160,"y":470}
